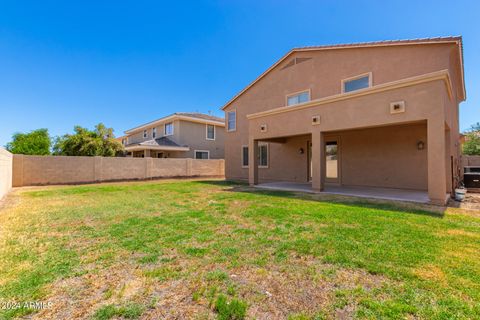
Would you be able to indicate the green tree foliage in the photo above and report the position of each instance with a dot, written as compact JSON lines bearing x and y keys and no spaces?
{"x":472,"y":141}
{"x":99,"y":142}
{"x":36,"y":142}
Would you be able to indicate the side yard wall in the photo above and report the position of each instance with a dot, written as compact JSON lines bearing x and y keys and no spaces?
{"x":5,"y":172}
{"x":470,"y":160}
{"x":43,"y":170}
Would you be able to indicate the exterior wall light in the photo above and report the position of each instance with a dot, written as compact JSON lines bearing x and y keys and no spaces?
{"x":420,"y":145}
{"x":301,"y":151}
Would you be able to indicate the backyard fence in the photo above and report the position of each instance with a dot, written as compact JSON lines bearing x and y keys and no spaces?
{"x":5,"y":172}
{"x":44,"y":170}
{"x":470,"y":161}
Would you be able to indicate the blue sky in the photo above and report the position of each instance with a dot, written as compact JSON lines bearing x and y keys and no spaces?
{"x":124,"y":63}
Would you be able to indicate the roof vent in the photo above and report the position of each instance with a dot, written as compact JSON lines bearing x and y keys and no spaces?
{"x":295,"y":61}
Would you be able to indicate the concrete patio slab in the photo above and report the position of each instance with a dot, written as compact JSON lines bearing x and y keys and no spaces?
{"x":355,"y":191}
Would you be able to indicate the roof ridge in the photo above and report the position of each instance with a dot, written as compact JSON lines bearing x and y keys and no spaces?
{"x":414,"y":40}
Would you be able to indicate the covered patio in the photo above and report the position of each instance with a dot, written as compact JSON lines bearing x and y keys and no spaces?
{"x":355,"y":191}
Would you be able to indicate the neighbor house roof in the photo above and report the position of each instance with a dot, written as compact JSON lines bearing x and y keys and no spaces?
{"x":187,"y":116}
{"x":437,"y":40}
{"x":162,"y":143}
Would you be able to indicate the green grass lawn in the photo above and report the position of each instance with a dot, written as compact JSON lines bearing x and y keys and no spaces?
{"x":210,"y":249}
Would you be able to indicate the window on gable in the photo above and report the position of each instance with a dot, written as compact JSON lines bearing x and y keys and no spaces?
{"x":298,"y":98}
{"x":154,"y":133}
{"x":358,"y":83}
{"x":144,"y":133}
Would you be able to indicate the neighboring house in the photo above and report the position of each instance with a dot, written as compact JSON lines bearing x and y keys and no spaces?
{"x":180,"y":135}
{"x":380,"y":114}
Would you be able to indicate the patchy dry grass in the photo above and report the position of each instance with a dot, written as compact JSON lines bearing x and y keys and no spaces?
{"x":210,"y":249}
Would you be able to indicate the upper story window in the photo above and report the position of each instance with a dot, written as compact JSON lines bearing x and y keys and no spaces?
{"x":298,"y":98}
{"x":154,"y":133}
{"x":144,"y":133}
{"x":210,"y":132}
{"x":169,"y":128}
{"x":125,"y":141}
{"x":356,"y":83}
{"x":231,"y":121}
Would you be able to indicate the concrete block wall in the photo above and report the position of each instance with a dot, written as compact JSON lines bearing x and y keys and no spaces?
{"x":470,"y":160}
{"x":6,"y":160}
{"x":44,"y":170}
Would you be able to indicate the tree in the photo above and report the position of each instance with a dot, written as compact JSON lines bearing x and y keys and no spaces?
{"x":99,"y":142}
{"x":471,"y":145}
{"x":36,"y":142}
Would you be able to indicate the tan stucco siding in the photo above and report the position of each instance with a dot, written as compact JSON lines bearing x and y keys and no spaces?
{"x":384,"y":157}
{"x":323,"y":73}
{"x":195,"y":136}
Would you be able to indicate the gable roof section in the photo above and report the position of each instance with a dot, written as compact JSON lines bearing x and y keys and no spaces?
{"x":186,"y":116}
{"x":437,"y":40}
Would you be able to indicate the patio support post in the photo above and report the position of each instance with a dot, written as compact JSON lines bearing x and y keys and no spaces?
{"x":436,"y":149}
{"x":318,"y":161}
{"x":146,"y":153}
{"x":252,"y":161}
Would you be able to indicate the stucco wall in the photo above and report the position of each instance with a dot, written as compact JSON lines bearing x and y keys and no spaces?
{"x":43,"y":170}
{"x":5,"y":172}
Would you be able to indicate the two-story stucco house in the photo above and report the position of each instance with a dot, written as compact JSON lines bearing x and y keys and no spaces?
{"x":180,"y":135}
{"x":380,"y":116}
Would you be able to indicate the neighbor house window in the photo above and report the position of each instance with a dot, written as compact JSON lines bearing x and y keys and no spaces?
{"x":169,"y":129}
{"x":144,"y":133}
{"x":232,"y":120}
{"x":202,"y":154}
{"x":210,"y":132}
{"x":298,"y":98}
{"x":244,"y":156}
{"x":357,"y":83}
{"x":263,"y":155}
{"x":154,"y":133}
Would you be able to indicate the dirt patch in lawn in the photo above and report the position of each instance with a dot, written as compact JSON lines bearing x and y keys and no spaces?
{"x":273,"y":292}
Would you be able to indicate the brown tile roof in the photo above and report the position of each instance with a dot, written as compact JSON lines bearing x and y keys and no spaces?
{"x":200,"y":116}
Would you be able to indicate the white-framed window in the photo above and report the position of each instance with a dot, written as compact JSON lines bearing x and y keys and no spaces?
{"x":245,"y":156}
{"x":202,"y":154}
{"x":356,"y":83}
{"x":263,"y":155}
{"x":144,"y":133}
{"x":231,"y":120}
{"x":298,"y":97}
{"x":210,"y":132}
{"x":124,"y":141}
{"x":168,"y":129}
{"x":154,"y":133}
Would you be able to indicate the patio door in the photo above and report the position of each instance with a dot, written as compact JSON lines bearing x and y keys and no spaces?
{"x":332,"y":173}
